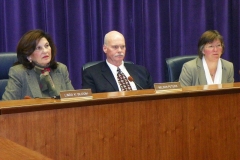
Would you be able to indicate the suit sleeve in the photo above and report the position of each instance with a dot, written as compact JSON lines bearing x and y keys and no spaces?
{"x":231,"y":74}
{"x":149,"y":80}
{"x":87,"y":81}
{"x":67,"y":79}
{"x":141,"y":76}
{"x":186,"y":77}
{"x":13,"y":89}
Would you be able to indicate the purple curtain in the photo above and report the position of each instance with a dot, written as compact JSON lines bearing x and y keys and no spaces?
{"x":154,"y":29}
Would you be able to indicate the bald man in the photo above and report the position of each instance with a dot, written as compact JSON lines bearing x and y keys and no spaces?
{"x":103,"y":77}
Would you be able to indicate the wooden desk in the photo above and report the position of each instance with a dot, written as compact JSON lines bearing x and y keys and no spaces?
{"x":12,"y":151}
{"x":197,"y":123}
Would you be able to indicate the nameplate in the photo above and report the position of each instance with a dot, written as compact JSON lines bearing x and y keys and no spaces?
{"x":167,"y":87}
{"x":81,"y":94}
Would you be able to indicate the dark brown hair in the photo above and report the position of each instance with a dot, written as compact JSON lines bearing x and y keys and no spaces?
{"x":208,"y":37}
{"x":27,"y":45}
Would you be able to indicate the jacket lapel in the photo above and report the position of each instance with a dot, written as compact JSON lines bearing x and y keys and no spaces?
{"x":224,"y":72}
{"x":57,"y":80}
{"x":202,"y":78}
{"x":33,"y":83}
{"x":107,"y":74}
{"x":133,"y":74}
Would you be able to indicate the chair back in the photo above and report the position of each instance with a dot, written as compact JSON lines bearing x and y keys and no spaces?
{"x":89,"y":64}
{"x":6,"y":61}
{"x":174,"y":66}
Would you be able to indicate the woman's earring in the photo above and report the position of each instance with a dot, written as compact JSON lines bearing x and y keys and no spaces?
{"x":29,"y":59}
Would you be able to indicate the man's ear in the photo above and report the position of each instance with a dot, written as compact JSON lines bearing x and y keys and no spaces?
{"x":104,"y":48}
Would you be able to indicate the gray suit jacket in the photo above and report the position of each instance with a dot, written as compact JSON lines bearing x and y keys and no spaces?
{"x":24,"y":82}
{"x":193,"y":73}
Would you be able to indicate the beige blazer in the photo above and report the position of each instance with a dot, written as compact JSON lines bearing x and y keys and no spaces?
{"x":24,"y":82}
{"x":193,"y":73}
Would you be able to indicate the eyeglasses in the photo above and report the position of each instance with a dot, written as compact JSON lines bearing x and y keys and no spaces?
{"x":116,"y":47}
{"x":212,"y":46}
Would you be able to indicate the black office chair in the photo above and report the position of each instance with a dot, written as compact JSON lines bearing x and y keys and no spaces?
{"x":6,"y":61}
{"x":174,"y":66}
{"x":89,"y":64}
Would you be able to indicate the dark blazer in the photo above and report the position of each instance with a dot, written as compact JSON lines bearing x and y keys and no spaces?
{"x":99,"y":78}
{"x":23,"y":82}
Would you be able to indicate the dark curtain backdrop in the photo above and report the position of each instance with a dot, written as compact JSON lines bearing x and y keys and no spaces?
{"x":154,"y":29}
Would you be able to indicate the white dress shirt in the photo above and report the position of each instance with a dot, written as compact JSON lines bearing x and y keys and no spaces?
{"x":124,"y":70}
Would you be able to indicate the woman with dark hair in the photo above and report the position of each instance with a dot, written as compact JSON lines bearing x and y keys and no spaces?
{"x":208,"y":68}
{"x":36,"y":73}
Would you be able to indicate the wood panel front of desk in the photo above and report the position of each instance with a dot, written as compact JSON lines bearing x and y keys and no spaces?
{"x":201,"y":125}
{"x":12,"y":151}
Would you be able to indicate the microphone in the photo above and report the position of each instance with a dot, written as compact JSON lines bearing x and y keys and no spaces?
{"x":27,"y":97}
{"x":53,"y":97}
{"x":130,"y":78}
